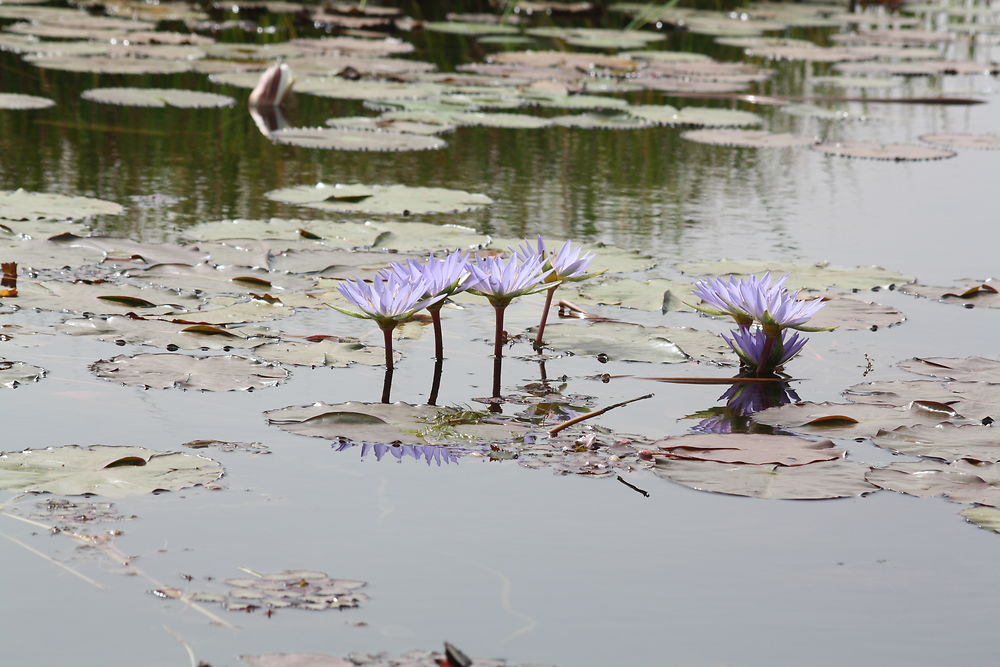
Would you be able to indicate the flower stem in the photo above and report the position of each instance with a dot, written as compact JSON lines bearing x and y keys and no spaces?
{"x":387,"y":338}
{"x":387,"y":384}
{"x":435,"y":311}
{"x":498,"y":349}
{"x":545,"y":317}
{"x":436,"y":382}
{"x":764,"y":366}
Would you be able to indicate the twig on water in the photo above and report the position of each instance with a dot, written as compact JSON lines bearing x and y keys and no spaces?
{"x":735,"y":380}
{"x":596,"y":413}
{"x":632,"y":486}
{"x":187,"y":647}
{"x":75,"y":573}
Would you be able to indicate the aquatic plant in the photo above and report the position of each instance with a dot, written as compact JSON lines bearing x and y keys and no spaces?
{"x":274,"y":85}
{"x":751,"y":345}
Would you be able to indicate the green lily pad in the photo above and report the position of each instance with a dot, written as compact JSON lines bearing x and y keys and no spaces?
{"x":18,"y":102}
{"x":850,"y":420}
{"x":816,"y":481}
{"x":969,"y":369}
{"x":987,"y":518}
{"x":164,"y":334}
{"x":944,"y":441}
{"x":113,"y":472}
{"x":158,"y":97}
{"x":654,"y":295}
{"x":333,"y":353}
{"x":181,"y":371}
{"x":332,"y":233}
{"x":622,"y":341}
{"x":102,"y":299}
{"x":343,"y":139}
{"x":664,"y":114}
{"x":747,"y":448}
{"x":817,"y":277}
{"x":15,"y":373}
{"x":959,"y":482}
{"x":380,"y":199}
{"x":596,"y":121}
{"x":110,"y":65}
{"x":982,"y":293}
{"x":470,"y":29}
{"x":21,"y":205}
{"x":748,"y":138}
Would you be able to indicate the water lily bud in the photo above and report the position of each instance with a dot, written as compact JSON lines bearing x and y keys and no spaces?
{"x":273,"y":86}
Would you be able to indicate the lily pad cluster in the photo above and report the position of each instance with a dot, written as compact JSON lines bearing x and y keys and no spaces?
{"x":289,"y":589}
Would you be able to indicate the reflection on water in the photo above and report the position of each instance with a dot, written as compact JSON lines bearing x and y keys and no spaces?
{"x":742,"y":401}
{"x":427,"y":453}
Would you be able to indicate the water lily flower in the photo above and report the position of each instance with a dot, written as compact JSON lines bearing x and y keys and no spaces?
{"x":388,"y":300}
{"x":443,"y":278}
{"x":272,"y":87}
{"x":743,"y":299}
{"x":756,"y":348}
{"x":567,"y":265}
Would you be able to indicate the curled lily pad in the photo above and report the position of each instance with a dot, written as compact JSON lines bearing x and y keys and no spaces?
{"x":749,"y":448}
{"x":158,"y":97}
{"x":621,"y":341}
{"x":389,"y":423}
{"x":15,"y":373}
{"x":816,"y":481}
{"x":944,"y":441}
{"x":851,"y":420}
{"x":17,"y":101}
{"x":166,"y":371}
{"x":170,"y":335}
{"x":971,"y":369}
{"x":974,"y":400}
{"x":957,"y":140}
{"x":819,"y":276}
{"x":22,"y":205}
{"x":380,"y":199}
{"x":343,"y":139}
{"x":975,"y":292}
{"x":960,"y":481}
{"x":114,"y":472}
{"x":876,"y":151}
{"x":748,"y":138}
{"x":334,"y":353}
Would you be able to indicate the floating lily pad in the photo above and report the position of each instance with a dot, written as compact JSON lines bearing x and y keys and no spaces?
{"x":16,"y":101}
{"x":748,"y":138}
{"x":518,"y":121}
{"x":380,"y":199}
{"x":987,"y":518}
{"x":970,"y":369}
{"x":163,"y":334}
{"x":664,"y":114}
{"x":469,"y":28}
{"x":843,"y":312}
{"x":341,"y":264}
{"x":654,"y":295}
{"x":816,"y":54}
{"x":849,"y":420}
{"x":824,"y":113}
{"x":666,"y":56}
{"x":232,"y":310}
{"x":333,"y":353}
{"x":158,"y":97}
{"x":388,"y":124}
{"x":960,"y":482}
{"x":290,"y":589}
{"x":622,"y":341}
{"x":876,"y":151}
{"x":224,"y":446}
{"x":114,"y":472}
{"x":566,"y":101}
{"x":343,"y":139}
{"x":101,"y":298}
{"x":816,"y":481}
{"x":125,"y":251}
{"x":819,"y":276}
{"x":596,"y":121}
{"x":984,"y":293}
{"x":960,"y":140}
{"x":220,"y":280}
{"x":110,"y":65}
{"x":388,"y":423}
{"x":21,"y":205}
{"x":748,"y":448}
{"x":973,"y":400}
{"x":944,"y":441}
{"x":332,"y":233}
{"x":15,"y":373}
{"x":166,"y":371}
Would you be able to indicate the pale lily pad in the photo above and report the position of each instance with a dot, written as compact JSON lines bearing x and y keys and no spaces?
{"x":386,"y":423}
{"x":125,"y":251}
{"x":163,"y":334}
{"x":607,"y":258}
{"x":849,"y":420}
{"x":380,"y":199}
{"x":344,"y":89}
{"x":843,"y":312}
{"x":664,"y":114}
{"x":568,"y":59}
{"x":959,"y":482}
{"x":290,"y":589}
{"x":332,"y":233}
{"x":816,"y":481}
{"x":417,"y":236}
{"x":388,"y":124}
{"x":333,"y":353}
{"x":987,"y":518}
{"x":875,"y":151}
{"x":819,"y":276}
{"x":748,"y":138}
{"x":748,"y":448}
{"x":621,"y":341}
{"x":110,"y":65}
{"x":21,"y":205}
{"x":518,"y":121}
{"x":974,"y":400}
{"x":220,"y":280}
{"x":102,"y":298}
{"x":16,"y":101}
{"x":343,"y":139}
{"x":158,"y":97}
{"x":665,"y":56}
{"x":944,"y":441}
{"x":989,"y":142}
{"x":15,"y":373}
{"x":566,"y":101}
{"x":114,"y":472}
{"x":752,"y":42}
{"x":970,"y":369}
{"x":654,"y":295}
{"x":233,"y":310}
{"x":180,"y":371}
{"x":817,"y":54}
{"x":968,"y":293}
{"x":596,"y":121}
{"x":342,"y":264}
{"x":469,"y":28}
{"x":824,"y":113}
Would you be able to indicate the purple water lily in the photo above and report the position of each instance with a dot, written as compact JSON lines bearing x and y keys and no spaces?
{"x":758,"y":349}
{"x":743,"y":299}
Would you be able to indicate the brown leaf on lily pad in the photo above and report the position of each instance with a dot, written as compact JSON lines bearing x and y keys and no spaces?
{"x":748,"y":448}
{"x":849,"y":420}
{"x":983,"y":293}
{"x":948,"y":442}
{"x":181,"y":371}
{"x":972,"y":369}
{"x":960,"y":482}
{"x":816,"y":481}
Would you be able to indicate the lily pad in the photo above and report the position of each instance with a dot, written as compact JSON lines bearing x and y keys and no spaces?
{"x":970,"y":442}
{"x":102,"y":298}
{"x":748,"y":448}
{"x":876,"y":151}
{"x":470,"y":29}
{"x":333,"y":353}
{"x":290,"y":589}
{"x":388,"y":423}
{"x":964,"y":140}
{"x":170,"y":335}
{"x":19,"y":102}
{"x":335,"y":263}
{"x":232,"y":310}
{"x":596,"y":121}
{"x":664,"y":114}
{"x":380,"y":199}
{"x":748,"y":138}
{"x":114,"y":472}
{"x":110,"y":65}
{"x":974,"y":400}
{"x":343,"y":139}
{"x":654,"y":295}
{"x":21,"y":205}
{"x":982,"y":293}
{"x":15,"y":373}
{"x":816,"y":481}
{"x":823,"y":113}
{"x":220,"y":280}
{"x":970,"y":369}
{"x":158,"y":97}
{"x":819,"y":276}
{"x":332,"y":233}
{"x":858,"y":82}
{"x":987,"y":518}
{"x":621,"y":341}
{"x":843,"y":312}
{"x":960,"y":482}
{"x":849,"y":420}
{"x":517,"y":121}
{"x":166,"y":371}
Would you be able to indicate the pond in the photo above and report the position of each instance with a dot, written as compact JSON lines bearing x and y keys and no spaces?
{"x":482,"y":530}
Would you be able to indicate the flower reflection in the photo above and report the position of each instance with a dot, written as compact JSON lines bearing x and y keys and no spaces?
{"x":428,"y":453}
{"x":744,"y":400}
